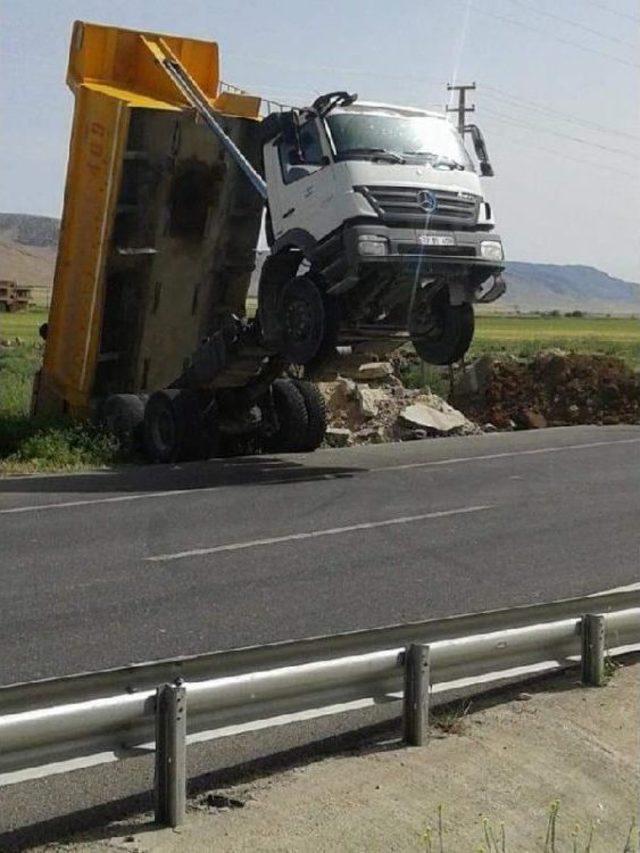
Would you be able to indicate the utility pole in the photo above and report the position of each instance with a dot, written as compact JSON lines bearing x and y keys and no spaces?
{"x":462,"y":109}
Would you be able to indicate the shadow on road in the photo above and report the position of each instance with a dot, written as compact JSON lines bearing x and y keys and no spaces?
{"x":254,"y":470}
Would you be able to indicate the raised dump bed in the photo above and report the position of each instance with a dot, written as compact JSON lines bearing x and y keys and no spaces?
{"x":157,"y":246}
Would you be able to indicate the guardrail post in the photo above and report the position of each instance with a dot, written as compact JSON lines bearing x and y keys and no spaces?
{"x":417,"y":683}
{"x":171,"y":776}
{"x":593,"y":646}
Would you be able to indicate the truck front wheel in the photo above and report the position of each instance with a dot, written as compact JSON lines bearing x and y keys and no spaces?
{"x":309,"y":321}
{"x":443,"y":334}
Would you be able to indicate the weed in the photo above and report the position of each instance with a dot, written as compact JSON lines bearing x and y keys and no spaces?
{"x":633,"y":838}
{"x":31,"y":445}
{"x":495,"y":840}
{"x":611,"y":666}
{"x":550,"y":840}
{"x":451,"y":719}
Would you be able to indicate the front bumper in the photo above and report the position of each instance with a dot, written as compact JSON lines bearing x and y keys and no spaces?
{"x":406,"y":252}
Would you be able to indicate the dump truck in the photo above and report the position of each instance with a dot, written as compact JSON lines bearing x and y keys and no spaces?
{"x":375,"y":219}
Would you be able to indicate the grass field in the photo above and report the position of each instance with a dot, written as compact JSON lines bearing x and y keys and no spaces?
{"x":22,"y":324}
{"x":527,"y":334}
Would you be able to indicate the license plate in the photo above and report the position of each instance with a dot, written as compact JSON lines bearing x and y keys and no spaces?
{"x":436,"y":240}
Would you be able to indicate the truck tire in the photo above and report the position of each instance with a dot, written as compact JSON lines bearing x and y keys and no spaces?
{"x":316,"y":413}
{"x":309,"y":321}
{"x":173,"y":426}
{"x":123,"y":416}
{"x":293,"y":419}
{"x":444,"y":335}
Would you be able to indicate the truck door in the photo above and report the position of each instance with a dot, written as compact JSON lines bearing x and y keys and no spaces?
{"x":301,"y":185}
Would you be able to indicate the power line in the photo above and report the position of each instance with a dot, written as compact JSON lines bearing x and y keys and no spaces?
{"x":613,"y":11}
{"x":518,"y":122}
{"x":575,"y":44}
{"x":517,"y":100}
{"x":592,"y":164}
{"x":572,"y":23}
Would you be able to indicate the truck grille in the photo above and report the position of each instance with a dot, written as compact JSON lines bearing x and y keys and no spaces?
{"x":400,"y":206}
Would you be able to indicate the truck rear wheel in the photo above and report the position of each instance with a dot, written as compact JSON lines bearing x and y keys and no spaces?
{"x":309,"y":321}
{"x":444,"y":333}
{"x":173,"y":426}
{"x":123,"y":416}
{"x":290,"y":408}
{"x":316,"y":413}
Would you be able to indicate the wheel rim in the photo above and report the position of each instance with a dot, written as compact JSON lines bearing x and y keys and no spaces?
{"x":303,"y":321}
{"x":299,"y":321}
{"x":427,"y":325}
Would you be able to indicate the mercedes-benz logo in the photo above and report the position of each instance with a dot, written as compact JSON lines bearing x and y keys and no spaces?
{"x":427,"y":201}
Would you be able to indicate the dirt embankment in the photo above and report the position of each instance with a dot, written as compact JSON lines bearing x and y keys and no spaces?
{"x":552,"y":389}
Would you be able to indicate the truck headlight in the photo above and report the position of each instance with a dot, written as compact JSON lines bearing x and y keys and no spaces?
{"x":491,"y":250}
{"x":371,"y":244}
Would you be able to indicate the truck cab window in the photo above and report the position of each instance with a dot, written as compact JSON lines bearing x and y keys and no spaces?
{"x":297,"y":163}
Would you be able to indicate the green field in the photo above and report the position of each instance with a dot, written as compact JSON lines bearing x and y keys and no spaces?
{"x":22,"y":324}
{"x":527,"y":334}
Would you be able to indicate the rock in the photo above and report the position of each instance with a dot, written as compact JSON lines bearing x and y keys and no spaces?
{"x":475,"y":378}
{"x":423,"y":416}
{"x":367,"y":371}
{"x":533,"y":420}
{"x":373,"y":435}
{"x":338,"y":436}
{"x":337,"y":393}
{"x":490,"y":428}
{"x":369,"y":400}
{"x":419,"y":434}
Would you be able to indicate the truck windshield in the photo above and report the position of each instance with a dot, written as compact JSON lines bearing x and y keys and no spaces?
{"x":358,"y":135}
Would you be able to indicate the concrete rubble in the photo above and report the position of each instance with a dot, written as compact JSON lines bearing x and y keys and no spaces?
{"x":367,"y":402}
{"x":377,"y":408}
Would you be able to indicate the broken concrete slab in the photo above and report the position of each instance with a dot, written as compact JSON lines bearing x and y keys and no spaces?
{"x":367,"y":371}
{"x":420,"y":415}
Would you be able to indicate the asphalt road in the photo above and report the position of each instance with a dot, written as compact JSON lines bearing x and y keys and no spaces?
{"x":98,"y":570}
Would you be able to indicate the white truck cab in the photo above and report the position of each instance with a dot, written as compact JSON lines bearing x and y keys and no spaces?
{"x":386,"y":207}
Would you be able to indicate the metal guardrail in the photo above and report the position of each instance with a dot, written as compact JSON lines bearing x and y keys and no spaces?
{"x":55,"y":725}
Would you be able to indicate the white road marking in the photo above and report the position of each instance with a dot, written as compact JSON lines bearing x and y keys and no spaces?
{"x":138,"y":496}
{"x":505,"y":455}
{"x":314,"y":534}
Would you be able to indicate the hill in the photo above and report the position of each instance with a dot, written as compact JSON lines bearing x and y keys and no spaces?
{"x":28,"y":250}
{"x":28,"y":247}
{"x":41,"y":231}
{"x":568,"y":287}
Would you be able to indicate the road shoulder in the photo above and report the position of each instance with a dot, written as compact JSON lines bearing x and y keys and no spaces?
{"x":506,"y":761}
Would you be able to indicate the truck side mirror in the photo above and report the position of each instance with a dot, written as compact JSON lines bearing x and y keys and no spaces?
{"x":479,"y":145}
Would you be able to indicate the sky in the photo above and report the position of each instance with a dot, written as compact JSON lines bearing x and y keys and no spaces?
{"x":558,"y":95}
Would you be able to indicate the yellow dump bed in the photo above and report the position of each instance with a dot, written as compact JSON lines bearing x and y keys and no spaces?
{"x":159,"y":227}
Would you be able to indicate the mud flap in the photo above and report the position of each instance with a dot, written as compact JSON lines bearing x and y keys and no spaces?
{"x":497,"y":289}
